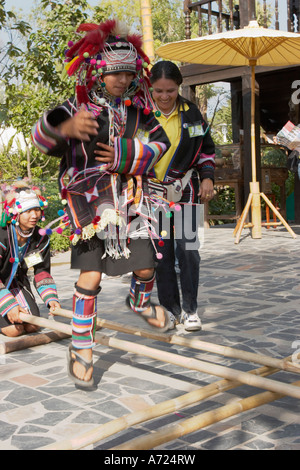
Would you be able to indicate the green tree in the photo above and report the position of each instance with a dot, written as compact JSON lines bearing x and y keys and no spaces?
{"x":40,"y":83}
{"x":127,"y":11}
{"x":13,"y":32}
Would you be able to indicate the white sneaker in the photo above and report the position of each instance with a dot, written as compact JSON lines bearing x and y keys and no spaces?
{"x":172,"y":319}
{"x":191,"y":321}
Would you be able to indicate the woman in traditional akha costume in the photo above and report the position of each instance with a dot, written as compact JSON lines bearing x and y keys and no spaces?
{"x":22,"y":247}
{"x":108,"y":139}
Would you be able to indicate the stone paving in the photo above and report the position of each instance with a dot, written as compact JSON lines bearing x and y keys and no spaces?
{"x":248,"y":299}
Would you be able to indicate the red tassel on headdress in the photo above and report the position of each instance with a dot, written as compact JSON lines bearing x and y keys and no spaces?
{"x":72,"y":51}
{"x":107,"y":27}
{"x":96,"y":35}
{"x":72,"y":69}
{"x":81,"y":94}
{"x":87,"y":27}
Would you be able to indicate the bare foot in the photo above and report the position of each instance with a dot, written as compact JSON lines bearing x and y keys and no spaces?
{"x":13,"y":330}
{"x":31,"y":328}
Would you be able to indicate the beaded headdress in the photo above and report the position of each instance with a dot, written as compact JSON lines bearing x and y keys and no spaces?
{"x":107,"y":48}
{"x":20,"y":198}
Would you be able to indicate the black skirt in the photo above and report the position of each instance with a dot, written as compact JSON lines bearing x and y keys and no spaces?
{"x":87,"y":256}
{"x":29,"y":297}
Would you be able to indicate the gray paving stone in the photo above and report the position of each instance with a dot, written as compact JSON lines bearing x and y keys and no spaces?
{"x":248,"y":299}
{"x":30,"y":442}
{"x":259,"y":444}
{"x":112,"y":408}
{"x":91,"y":417}
{"x":291,"y":430}
{"x":6,"y":430}
{"x":23,"y":396}
{"x":230,"y":440}
{"x":261,"y":424}
{"x":29,"y":429}
{"x":54,"y":404}
{"x":50,"y":418}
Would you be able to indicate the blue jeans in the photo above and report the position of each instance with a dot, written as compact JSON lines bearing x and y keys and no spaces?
{"x":182,"y":243}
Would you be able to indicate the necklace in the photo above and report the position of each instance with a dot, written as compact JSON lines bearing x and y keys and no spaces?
{"x":117,"y":113}
{"x":24,"y":233}
{"x":167,"y":114}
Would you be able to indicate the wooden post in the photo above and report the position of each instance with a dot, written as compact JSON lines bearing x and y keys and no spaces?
{"x":244,"y":13}
{"x":252,"y":10}
{"x":31,"y":340}
{"x":248,"y":142}
{"x":255,"y":210}
{"x":187,"y":21}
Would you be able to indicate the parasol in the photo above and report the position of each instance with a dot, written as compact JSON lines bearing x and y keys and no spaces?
{"x":250,"y":46}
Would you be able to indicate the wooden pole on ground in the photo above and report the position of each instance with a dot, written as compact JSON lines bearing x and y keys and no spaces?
{"x":277,"y":213}
{"x":183,"y":427}
{"x":29,"y":341}
{"x":283,"y":364}
{"x":169,"y":406}
{"x":176,"y":359}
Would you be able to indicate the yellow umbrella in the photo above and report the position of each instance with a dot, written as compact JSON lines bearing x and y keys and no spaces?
{"x":251,"y":46}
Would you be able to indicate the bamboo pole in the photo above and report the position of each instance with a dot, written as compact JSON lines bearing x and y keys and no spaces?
{"x":240,"y":225}
{"x":147,"y":28}
{"x":181,"y":428}
{"x":29,"y":341}
{"x":169,"y":406}
{"x":283,"y":364}
{"x":182,"y":361}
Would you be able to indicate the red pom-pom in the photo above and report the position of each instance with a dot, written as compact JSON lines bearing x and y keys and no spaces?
{"x":96,"y":219}
{"x":11,"y":260}
{"x":127,"y":102}
{"x":161,"y":243}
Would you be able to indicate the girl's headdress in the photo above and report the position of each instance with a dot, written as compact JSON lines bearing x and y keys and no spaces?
{"x":20,"y":197}
{"x":107,"y":48}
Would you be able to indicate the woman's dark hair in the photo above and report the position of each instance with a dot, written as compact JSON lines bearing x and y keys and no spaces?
{"x":170,"y":71}
{"x":166,"y":69}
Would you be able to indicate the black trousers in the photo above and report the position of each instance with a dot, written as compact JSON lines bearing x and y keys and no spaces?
{"x":181,"y":242}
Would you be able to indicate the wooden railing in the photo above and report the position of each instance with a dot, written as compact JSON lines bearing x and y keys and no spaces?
{"x":216,"y":16}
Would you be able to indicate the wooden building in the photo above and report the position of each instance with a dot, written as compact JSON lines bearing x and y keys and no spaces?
{"x":274,"y":89}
